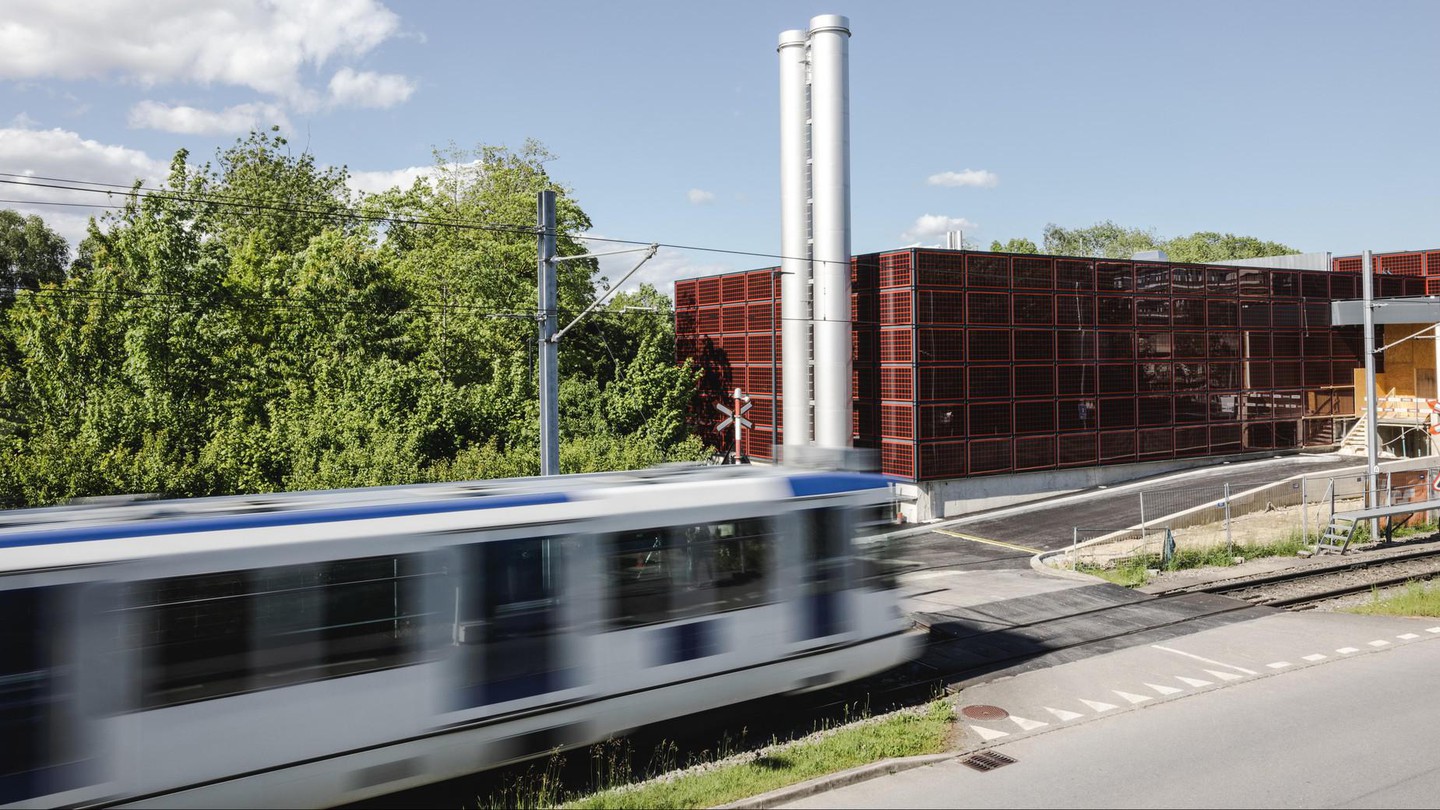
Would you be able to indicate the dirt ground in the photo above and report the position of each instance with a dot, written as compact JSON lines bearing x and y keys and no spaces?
{"x":1271,"y":525}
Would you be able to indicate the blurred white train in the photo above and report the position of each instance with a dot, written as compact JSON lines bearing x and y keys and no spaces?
{"x":317,"y":648}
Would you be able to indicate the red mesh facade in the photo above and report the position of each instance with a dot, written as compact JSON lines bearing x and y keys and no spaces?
{"x":969,"y":363}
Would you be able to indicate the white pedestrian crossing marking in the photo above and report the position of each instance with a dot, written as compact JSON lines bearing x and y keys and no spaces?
{"x":1098,"y":706}
{"x":1063,"y":715}
{"x":1407,"y":636}
{"x":989,"y":734}
{"x":1224,"y":676}
{"x":1027,"y":725}
{"x":1164,"y":690}
{"x":1379,"y":642}
{"x":1347,"y":650}
{"x":1316,"y":657}
{"x":1132,"y":697}
{"x":1278,"y":664}
{"x":1195,"y":682}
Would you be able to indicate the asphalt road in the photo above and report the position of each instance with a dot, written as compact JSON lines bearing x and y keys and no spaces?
{"x":1299,"y":711}
{"x":1016,"y":533}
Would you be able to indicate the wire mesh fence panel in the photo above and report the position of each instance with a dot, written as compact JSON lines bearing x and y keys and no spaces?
{"x":1104,"y":547}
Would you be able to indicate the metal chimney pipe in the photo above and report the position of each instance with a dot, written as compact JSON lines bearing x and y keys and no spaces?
{"x":794,"y":242}
{"x":830,"y":226}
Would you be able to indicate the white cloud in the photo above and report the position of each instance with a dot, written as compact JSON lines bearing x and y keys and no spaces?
{"x":931,"y":226}
{"x":348,"y":88}
{"x":699,"y":196}
{"x":378,"y":181}
{"x":194,"y":121}
{"x":56,"y":153}
{"x":978,"y":178}
{"x":266,"y":45}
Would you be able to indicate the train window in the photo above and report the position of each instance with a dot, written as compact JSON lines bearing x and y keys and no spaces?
{"x":211,"y":635}
{"x":510,"y":620}
{"x":826,"y":561}
{"x":876,"y":566}
{"x":36,"y":722}
{"x":663,"y":574}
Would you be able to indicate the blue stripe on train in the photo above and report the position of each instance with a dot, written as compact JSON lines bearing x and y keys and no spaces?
{"x":829,"y":483}
{"x":153,"y":528}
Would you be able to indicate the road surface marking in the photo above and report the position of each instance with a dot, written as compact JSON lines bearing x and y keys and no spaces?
{"x":1278,"y":664}
{"x":1164,"y":690}
{"x":1379,"y":642}
{"x":1027,"y":725}
{"x":1133,"y":698}
{"x":990,"y":734}
{"x":1224,"y":676}
{"x":972,"y":538}
{"x":1206,"y":660}
{"x":1098,"y":706}
{"x":1316,"y":657}
{"x":1407,"y":636}
{"x":1195,"y":682}
{"x":1064,"y":715}
{"x":1347,"y":650}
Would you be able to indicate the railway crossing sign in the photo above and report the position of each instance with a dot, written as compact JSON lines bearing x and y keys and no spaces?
{"x":736,"y":415}
{"x":730,"y":415}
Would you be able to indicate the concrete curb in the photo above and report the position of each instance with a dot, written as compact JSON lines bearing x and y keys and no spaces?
{"x":820,"y":784}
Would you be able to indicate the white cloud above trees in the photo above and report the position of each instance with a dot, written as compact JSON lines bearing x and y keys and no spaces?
{"x":975,"y":178}
{"x":932,"y":226}
{"x":57,"y":153}
{"x":194,"y":121}
{"x":280,"y":49}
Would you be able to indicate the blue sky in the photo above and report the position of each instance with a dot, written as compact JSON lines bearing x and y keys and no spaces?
{"x":1315,"y":124}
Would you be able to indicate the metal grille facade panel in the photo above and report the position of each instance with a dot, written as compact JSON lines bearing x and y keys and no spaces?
{"x":976,"y":363}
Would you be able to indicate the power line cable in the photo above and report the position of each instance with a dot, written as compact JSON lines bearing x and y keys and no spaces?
{"x":344,"y":212}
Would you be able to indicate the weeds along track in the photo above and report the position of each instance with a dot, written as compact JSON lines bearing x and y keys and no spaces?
{"x":1314,"y":585}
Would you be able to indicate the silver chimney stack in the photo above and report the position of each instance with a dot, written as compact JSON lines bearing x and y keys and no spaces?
{"x":794,"y":241}
{"x":830,"y":226}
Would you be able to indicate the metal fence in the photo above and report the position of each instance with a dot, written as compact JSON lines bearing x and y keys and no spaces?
{"x":1208,"y":516}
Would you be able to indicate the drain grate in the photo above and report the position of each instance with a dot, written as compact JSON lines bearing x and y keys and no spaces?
{"x":987,"y":761}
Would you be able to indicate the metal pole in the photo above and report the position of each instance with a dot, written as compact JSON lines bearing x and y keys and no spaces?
{"x":1372,"y":430}
{"x":739,"y":442}
{"x":1074,"y":546}
{"x":1229,"y":545}
{"x":1142,"y":513}
{"x":1304,"y":518}
{"x":549,"y":381}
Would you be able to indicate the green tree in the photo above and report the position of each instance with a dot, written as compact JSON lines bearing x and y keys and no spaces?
{"x":1209,"y":246}
{"x":1018,"y":244}
{"x":1103,"y":240}
{"x":30,"y":254}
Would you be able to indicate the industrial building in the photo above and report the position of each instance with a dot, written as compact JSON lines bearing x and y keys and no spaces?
{"x":969,"y":364}
{"x":981,"y":379}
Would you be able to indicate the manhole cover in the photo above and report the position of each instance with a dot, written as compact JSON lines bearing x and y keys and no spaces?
{"x":984,"y":712}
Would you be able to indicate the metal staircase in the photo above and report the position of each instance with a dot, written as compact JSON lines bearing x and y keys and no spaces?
{"x":1337,"y":534}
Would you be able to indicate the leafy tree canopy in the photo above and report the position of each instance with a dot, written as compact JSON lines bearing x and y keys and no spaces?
{"x":1108,"y":240}
{"x":1017,"y":245}
{"x":30,"y":254}
{"x":244,"y":330}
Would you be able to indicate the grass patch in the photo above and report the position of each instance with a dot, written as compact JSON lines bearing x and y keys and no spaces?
{"x":905,"y":733}
{"x":1415,"y":599}
{"x":1135,"y":571}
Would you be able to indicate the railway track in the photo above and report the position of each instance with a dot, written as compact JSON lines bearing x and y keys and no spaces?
{"x":1313,"y":586}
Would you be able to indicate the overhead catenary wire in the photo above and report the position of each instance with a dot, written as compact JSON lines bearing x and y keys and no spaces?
{"x":336,"y":212}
